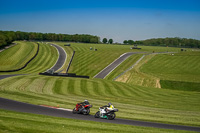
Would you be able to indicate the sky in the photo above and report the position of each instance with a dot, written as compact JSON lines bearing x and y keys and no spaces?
{"x":117,"y":19}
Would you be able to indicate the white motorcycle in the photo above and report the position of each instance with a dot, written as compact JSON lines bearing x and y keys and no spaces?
{"x":106,"y":113}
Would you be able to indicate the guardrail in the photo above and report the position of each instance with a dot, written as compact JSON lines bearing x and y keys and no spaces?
{"x":64,"y":75}
{"x":70,"y":61}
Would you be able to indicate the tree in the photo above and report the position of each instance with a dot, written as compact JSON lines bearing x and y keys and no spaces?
{"x":105,"y":40}
{"x":110,"y":41}
{"x":125,"y":42}
{"x":94,"y":40}
{"x":2,"y":40}
{"x":131,"y":42}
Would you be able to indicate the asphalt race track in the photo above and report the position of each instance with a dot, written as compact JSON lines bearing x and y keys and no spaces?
{"x":114,"y":64}
{"x":61,"y":59}
{"x":7,"y":76}
{"x":36,"y":109}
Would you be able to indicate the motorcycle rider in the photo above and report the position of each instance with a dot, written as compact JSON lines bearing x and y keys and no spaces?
{"x":82,"y":104}
{"x":85,"y":103}
{"x":107,"y":108}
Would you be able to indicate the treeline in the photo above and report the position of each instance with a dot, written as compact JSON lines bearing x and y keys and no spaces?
{"x":7,"y":37}
{"x":173,"y":42}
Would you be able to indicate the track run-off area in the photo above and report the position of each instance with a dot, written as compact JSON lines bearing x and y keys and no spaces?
{"x":8,"y":104}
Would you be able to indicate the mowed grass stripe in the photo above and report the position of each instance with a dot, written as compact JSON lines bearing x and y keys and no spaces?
{"x":111,"y":89}
{"x":64,"y":88}
{"x":37,"y":85}
{"x":16,"y":85}
{"x":7,"y":56}
{"x":90,"y":87}
{"x":48,"y":58}
{"x":121,"y":90}
{"x":180,"y":70}
{"x":84,"y":88}
{"x":10,"y":83}
{"x":87,"y":64}
{"x":17,"y":56}
{"x":29,"y":55}
{"x":49,"y":84}
{"x":23,"y":83}
{"x":95,"y":86}
{"x":57,"y":86}
{"x":103,"y":90}
{"x":71,"y":86}
{"x":77,"y":87}
{"x":34,"y":66}
{"x":44,"y":59}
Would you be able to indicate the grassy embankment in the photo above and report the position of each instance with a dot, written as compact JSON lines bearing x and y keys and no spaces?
{"x":45,"y":59}
{"x":134,"y":102}
{"x":180,"y":71}
{"x":17,"y":56}
{"x":136,"y":77}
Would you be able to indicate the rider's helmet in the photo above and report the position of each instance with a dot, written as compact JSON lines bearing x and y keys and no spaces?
{"x":86,"y":102}
{"x":109,"y":104}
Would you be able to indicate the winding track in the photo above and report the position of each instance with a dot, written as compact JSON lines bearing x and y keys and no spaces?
{"x":8,"y":104}
{"x":61,"y":59}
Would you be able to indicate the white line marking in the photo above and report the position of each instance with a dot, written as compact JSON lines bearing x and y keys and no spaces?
{"x":65,"y":109}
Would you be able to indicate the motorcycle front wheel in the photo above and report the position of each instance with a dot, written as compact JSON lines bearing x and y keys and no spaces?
{"x":86,"y":112}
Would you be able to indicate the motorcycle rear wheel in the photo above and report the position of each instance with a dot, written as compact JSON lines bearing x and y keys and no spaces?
{"x":87,"y":112}
{"x":111,"y":116}
{"x":74,"y":111}
{"x":97,"y":115}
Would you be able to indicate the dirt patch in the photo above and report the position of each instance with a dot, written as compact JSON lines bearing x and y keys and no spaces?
{"x":158,"y":83}
{"x":141,"y":83}
{"x":123,"y":78}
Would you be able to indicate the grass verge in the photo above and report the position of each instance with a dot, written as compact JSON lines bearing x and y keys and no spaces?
{"x":177,"y":85}
{"x":11,"y":122}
